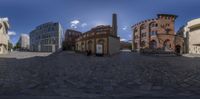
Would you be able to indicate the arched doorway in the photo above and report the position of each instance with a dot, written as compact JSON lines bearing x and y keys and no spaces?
{"x":100,"y":47}
{"x":82,"y":47}
{"x":178,"y":49}
{"x":167,"y":45}
{"x":89,"y":46}
{"x":153,"y":44}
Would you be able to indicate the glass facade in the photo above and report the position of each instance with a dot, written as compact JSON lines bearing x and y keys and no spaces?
{"x":46,"y":37}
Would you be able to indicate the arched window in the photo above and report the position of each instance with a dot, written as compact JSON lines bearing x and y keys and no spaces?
{"x":101,"y":41}
{"x":142,"y":32}
{"x":167,"y":45}
{"x":143,"y":43}
{"x":142,"y":27}
{"x":135,"y":30}
{"x":153,"y":24}
{"x":153,"y":44}
{"x":153,"y":29}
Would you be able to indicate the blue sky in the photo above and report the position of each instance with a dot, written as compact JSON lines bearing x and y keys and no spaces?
{"x":25,"y":15}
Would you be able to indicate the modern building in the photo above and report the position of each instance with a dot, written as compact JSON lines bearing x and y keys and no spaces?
{"x":191,"y":34}
{"x":46,"y":37}
{"x":100,"y":40}
{"x":70,"y":39}
{"x":4,"y":38}
{"x":24,"y":42}
{"x":157,"y":33}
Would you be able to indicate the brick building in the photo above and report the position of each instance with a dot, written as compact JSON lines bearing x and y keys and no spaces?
{"x":157,"y":33}
{"x":102,"y":39}
{"x":70,"y":38}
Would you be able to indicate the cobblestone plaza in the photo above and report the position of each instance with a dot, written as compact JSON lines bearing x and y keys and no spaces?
{"x":71,"y":75}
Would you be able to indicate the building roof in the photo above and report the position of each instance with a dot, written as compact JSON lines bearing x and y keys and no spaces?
{"x":172,"y":15}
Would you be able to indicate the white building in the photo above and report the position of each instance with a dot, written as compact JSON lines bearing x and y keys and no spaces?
{"x":4,"y":38}
{"x":46,"y":37}
{"x":191,"y":33}
{"x":24,"y":41}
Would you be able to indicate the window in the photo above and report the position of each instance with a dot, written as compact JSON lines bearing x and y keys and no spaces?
{"x":153,"y":24}
{"x":144,"y":34}
{"x":142,"y":27}
{"x":143,"y":43}
{"x":135,"y":30}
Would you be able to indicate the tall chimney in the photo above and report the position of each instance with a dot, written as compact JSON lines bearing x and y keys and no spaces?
{"x":114,"y":24}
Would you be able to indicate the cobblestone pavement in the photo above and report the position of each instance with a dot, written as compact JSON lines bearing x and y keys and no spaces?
{"x":121,"y":76}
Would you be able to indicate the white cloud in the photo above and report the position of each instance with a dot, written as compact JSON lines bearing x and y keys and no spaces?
{"x":83,"y":24}
{"x":74,"y":23}
{"x":4,"y":19}
{"x":11,"y":33}
{"x":122,"y":39}
{"x":125,"y":28}
{"x":23,"y":34}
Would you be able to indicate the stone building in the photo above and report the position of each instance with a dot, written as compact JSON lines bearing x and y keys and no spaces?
{"x":102,"y":39}
{"x":70,"y":39}
{"x":4,"y":38}
{"x":46,"y":37}
{"x":24,"y":42}
{"x":157,"y":33}
{"x":181,"y":40}
{"x":191,"y":34}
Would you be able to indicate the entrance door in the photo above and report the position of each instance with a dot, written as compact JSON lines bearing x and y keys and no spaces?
{"x":99,"y":49}
{"x":90,"y":46}
{"x":53,"y":48}
{"x":178,"y":49}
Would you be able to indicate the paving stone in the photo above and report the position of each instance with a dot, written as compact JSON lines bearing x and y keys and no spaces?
{"x":75,"y":75}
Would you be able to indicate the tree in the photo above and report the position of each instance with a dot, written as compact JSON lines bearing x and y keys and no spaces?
{"x":10,"y":46}
{"x":17,"y":46}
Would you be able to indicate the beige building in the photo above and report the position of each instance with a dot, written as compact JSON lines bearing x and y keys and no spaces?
{"x":24,"y":42}
{"x":4,"y":26}
{"x":191,"y":33}
{"x":101,"y":40}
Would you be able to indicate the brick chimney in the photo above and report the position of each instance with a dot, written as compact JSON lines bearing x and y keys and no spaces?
{"x":114,"y":24}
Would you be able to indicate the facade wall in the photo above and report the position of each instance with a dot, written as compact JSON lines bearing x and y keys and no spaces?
{"x":24,"y":41}
{"x":194,"y":42}
{"x":98,"y":35}
{"x":46,"y":37}
{"x":104,"y":42}
{"x":70,"y":39}
{"x":4,"y":26}
{"x":114,"y":45}
{"x":191,"y":34}
{"x":155,"y":33}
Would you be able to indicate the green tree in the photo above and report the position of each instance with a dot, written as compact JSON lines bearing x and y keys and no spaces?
{"x":17,"y":46}
{"x":10,"y":46}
